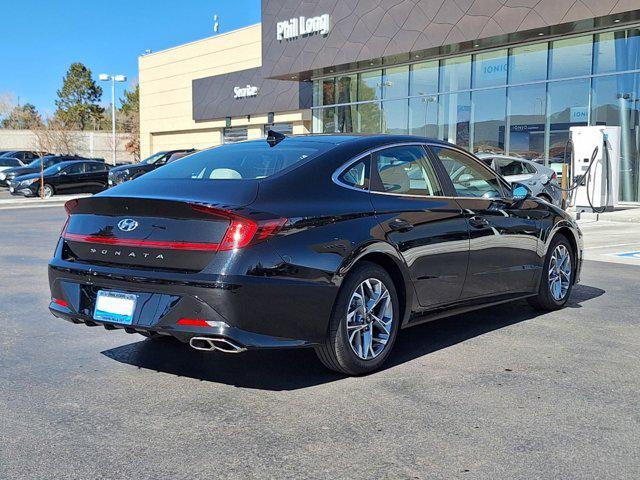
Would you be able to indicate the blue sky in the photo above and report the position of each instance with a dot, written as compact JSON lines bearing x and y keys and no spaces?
{"x":41,"y":38}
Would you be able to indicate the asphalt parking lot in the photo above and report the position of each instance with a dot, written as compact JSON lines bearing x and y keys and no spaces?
{"x":501,"y":393}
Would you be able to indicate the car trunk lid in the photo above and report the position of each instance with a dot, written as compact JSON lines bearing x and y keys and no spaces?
{"x":178,"y":225}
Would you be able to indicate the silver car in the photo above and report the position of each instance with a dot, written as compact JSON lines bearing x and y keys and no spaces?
{"x":541,"y":180}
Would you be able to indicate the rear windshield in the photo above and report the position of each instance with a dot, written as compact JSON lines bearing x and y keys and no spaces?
{"x":241,"y":161}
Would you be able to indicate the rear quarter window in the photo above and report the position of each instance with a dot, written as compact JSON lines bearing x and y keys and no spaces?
{"x":241,"y":161}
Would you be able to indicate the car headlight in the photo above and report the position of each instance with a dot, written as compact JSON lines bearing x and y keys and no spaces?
{"x":29,"y":181}
{"x":3,"y":176}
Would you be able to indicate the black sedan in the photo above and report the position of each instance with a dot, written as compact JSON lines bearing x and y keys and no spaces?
{"x":63,"y":178}
{"x":6,"y":176}
{"x":330,"y":242}
{"x":123,"y":173}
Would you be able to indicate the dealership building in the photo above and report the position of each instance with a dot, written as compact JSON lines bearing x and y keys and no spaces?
{"x":506,"y":76}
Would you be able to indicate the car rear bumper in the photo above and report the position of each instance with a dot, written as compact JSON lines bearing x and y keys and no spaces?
{"x":253,"y":312}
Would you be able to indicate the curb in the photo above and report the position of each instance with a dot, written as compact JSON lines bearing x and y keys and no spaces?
{"x":10,"y":203}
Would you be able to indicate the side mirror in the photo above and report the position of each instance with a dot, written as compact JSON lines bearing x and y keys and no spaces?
{"x":520,"y":191}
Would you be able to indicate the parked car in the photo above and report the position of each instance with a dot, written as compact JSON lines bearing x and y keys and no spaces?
{"x":541,"y":180}
{"x":25,"y":156}
{"x":118,"y":175}
{"x":329,"y":242}
{"x":63,"y":178}
{"x":179,"y":155}
{"x":34,"y":167}
{"x":7,"y":163}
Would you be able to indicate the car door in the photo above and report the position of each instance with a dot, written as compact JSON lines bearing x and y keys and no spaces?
{"x":69,"y":179}
{"x":95,"y":177}
{"x":426,"y":227}
{"x":503,"y":233}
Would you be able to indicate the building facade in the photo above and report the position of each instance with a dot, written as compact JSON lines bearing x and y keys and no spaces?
{"x":489,"y":75}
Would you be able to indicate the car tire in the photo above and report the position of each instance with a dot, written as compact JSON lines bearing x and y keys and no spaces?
{"x":551,"y":294}
{"x":368,"y":329}
{"x":48,"y":191}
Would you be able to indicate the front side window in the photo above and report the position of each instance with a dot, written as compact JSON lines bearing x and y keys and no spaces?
{"x":406,"y":170}
{"x":469,"y":178}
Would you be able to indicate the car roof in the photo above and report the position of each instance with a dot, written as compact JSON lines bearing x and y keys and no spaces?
{"x":365,"y":139}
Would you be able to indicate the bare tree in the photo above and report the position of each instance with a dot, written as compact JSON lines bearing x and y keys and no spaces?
{"x":7,"y":103}
{"x":53,"y":136}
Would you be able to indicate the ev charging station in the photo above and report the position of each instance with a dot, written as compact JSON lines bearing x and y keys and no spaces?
{"x":597,"y":186}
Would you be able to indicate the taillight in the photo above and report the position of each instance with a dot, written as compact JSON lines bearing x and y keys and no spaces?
{"x":242,"y":231}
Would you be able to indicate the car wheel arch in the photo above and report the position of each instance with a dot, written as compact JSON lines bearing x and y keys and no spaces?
{"x":384,"y":255}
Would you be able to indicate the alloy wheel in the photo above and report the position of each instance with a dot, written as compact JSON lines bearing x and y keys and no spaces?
{"x":369,"y":319}
{"x":47,"y":191}
{"x":559,"y":274}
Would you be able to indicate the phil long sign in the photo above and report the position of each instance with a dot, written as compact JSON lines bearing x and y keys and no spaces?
{"x":302,"y":26}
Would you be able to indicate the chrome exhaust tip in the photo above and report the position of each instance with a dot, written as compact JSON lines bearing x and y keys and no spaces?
{"x":208,"y":344}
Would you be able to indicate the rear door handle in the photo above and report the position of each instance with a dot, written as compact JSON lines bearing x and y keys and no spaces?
{"x":478,"y":222}
{"x":400,"y":225}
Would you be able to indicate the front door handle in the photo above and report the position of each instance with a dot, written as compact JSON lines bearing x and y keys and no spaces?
{"x":478,"y":222}
{"x":400,"y":225}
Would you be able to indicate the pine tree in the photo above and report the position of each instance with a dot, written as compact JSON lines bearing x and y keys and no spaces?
{"x":78,"y":98}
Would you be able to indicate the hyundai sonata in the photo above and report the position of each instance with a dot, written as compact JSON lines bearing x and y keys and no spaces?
{"x":331,"y":242}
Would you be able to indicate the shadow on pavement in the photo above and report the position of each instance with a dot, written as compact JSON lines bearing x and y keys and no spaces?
{"x":298,"y":368}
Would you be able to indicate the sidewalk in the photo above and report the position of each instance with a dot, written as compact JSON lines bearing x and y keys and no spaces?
{"x":625,"y":213}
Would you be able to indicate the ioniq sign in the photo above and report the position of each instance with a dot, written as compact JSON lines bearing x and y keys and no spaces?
{"x":295,"y":27}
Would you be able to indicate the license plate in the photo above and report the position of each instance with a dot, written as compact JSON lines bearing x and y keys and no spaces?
{"x":115,"y":307}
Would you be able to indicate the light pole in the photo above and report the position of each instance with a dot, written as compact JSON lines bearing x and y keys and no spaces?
{"x":105,"y":77}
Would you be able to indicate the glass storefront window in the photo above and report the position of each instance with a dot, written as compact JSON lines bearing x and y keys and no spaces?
{"x":369,"y":84}
{"x":369,"y":118}
{"x":568,"y":106}
{"x":346,"y":88}
{"x":454,"y":118}
{"x":317,"y":89}
{"x":521,"y":100}
{"x":424,"y":78}
{"x":615,"y":102}
{"x":423,"y":116}
{"x":526,"y":120}
{"x":616,"y":51}
{"x":528,"y":63}
{"x":455,"y":74}
{"x":328,"y":91}
{"x":490,"y":69}
{"x":395,"y":116}
{"x":489,"y":119}
{"x":395,"y":82}
{"x":570,"y":57}
{"x":328,"y":116}
{"x":347,"y":119}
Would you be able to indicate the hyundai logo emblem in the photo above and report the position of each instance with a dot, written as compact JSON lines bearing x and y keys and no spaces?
{"x":127,"y":224}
